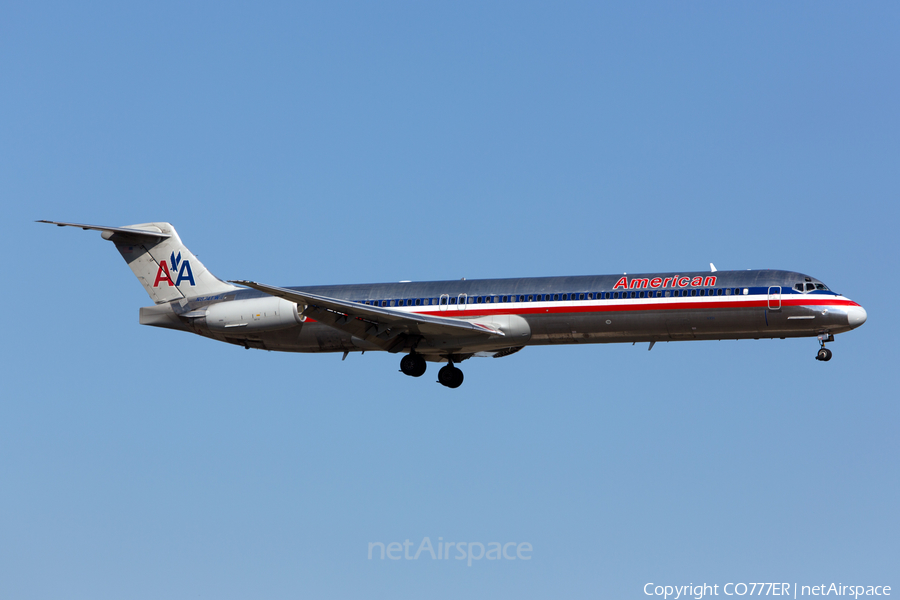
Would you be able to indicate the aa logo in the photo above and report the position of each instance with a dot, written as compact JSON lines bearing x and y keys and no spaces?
{"x":181,"y":267}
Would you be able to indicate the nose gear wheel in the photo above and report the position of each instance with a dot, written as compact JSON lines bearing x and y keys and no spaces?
{"x":824,"y":354}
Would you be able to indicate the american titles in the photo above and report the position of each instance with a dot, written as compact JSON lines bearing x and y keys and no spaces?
{"x":637,"y":283}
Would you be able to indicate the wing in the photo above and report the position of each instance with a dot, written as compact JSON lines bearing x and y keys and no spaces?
{"x":385,"y":327}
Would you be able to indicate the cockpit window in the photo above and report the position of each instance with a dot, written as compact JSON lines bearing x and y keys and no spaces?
{"x":810,"y":287}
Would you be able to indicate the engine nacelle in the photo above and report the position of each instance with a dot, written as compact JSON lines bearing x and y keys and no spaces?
{"x":255,"y":314}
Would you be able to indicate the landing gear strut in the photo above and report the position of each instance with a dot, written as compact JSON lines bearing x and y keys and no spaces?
{"x":413,"y":365}
{"x":450,"y":376}
{"x":824,"y":354}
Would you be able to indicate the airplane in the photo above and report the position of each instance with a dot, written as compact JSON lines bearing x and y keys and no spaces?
{"x":451,"y":321}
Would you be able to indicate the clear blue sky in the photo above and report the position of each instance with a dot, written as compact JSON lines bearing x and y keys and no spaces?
{"x":365,"y":142}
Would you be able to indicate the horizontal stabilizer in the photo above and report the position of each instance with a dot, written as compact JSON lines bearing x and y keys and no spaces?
{"x":147,"y":234}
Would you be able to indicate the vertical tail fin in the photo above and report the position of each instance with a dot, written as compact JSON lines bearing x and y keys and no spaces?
{"x":163,"y":264}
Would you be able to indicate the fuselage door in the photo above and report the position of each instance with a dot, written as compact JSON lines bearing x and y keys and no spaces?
{"x":461,"y":301}
{"x":775,"y":297}
{"x":444,"y":301}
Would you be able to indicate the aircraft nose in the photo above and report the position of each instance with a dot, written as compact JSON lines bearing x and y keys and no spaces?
{"x":856,"y":316}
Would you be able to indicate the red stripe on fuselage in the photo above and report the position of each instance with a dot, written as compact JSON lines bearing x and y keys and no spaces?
{"x":628,"y":306}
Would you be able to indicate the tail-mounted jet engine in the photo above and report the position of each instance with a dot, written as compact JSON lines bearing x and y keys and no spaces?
{"x":256,"y":314}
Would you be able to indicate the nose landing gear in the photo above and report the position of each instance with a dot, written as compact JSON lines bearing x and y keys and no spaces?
{"x":824,"y":354}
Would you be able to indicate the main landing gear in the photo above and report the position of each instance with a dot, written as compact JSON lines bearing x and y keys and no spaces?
{"x":824,"y":354}
{"x":450,"y":376}
{"x":413,"y":365}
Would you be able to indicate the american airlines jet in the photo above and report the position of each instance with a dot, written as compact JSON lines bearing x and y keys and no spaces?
{"x":450,"y":321}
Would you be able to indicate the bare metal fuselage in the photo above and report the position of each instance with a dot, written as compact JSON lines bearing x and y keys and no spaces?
{"x":553,"y":310}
